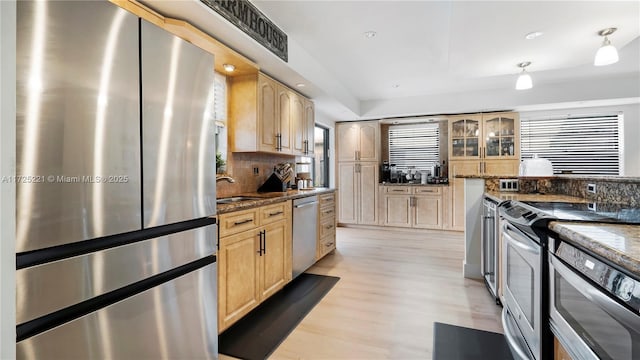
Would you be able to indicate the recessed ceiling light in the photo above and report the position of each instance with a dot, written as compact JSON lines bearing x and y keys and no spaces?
{"x":395,"y":86}
{"x":370,"y":34}
{"x":228,"y":67}
{"x":300,"y":85}
{"x":533,"y":35}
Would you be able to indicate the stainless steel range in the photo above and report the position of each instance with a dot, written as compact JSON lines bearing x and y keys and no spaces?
{"x":543,"y":279}
{"x":526,"y":312}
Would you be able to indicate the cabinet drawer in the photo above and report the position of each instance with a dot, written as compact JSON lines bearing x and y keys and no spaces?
{"x":327,"y":211}
{"x":327,"y":226}
{"x":275,"y":212}
{"x":428,"y":190}
{"x":327,"y":244}
{"x":326,"y":198}
{"x":239,"y":221}
{"x":397,"y":190}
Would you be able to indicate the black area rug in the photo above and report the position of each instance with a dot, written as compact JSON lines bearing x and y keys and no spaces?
{"x":260,"y":332}
{"x":452,"y":342}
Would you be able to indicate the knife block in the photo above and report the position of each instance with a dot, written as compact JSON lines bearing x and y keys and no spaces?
{"x":273,"y":184}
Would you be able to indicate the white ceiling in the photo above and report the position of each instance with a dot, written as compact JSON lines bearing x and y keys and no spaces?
{"x":429,"y":48}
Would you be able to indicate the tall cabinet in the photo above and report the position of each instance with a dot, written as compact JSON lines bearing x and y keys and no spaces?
{"x":358,"y":154}
{"x":479,"y":144}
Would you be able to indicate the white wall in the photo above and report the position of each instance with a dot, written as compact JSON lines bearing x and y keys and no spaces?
{"x":7,"y":188}
{"x":631,"y":140}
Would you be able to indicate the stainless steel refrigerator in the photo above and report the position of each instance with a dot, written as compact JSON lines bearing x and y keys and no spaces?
{"x":116,"y":229}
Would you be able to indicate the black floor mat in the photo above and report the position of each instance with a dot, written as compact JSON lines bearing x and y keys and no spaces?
{"x":452,"y":342}
{"x":260,"y":332}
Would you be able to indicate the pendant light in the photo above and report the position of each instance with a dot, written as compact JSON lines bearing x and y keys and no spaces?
{"x":524,"y":80}
{"x":607,"y":54}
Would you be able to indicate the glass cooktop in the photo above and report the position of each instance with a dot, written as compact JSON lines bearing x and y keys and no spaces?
{"x":596,"y":212}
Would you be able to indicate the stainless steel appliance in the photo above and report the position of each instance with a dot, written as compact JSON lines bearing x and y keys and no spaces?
{"x":305,"y":233}
{"x":489,"y":224}
{"x":525,"y":313}
{"x":115,"y":249}
{"x":595,"y":306}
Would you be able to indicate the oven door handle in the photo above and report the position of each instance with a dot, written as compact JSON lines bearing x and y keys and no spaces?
{"x":518,"y":240}
{"x":511,"y":337}
{"x":599,"y":297}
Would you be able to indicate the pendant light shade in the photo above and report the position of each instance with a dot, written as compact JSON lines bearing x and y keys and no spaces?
{"x":524,"y":80}
{"x":607,"y":53}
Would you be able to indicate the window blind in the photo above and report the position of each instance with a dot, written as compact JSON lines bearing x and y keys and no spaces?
{"x":220,"y":98}
{"x":416,"y":145}
{"x":589,"y":145}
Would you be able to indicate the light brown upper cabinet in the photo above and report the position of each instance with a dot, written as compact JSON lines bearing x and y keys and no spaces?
{"x":358,"y":141}
{"x":484,"y":144}
{"x":309,"y":117}
{"x":265,"y":115}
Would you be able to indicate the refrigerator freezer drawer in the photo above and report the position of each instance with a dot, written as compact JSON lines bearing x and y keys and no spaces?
{"x":178,"y":129}
{"x":46,"y":288}
{"x":176,"y":320}
{"x":77,"y":123}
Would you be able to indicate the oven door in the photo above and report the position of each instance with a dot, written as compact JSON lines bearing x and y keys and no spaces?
{"x":522,"y":265}
{"x":589,"y":323}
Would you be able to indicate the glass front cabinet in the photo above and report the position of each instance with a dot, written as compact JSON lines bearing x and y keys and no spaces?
{"x":491,"y":136}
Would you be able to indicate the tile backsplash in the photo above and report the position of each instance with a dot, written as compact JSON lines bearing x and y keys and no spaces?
{"x":240,"y":166}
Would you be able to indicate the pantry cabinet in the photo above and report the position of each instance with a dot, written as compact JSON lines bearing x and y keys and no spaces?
{"x":254,"y":259}
{"x":266,"y":116}
{"x":357,"y":198}
{"x":358,"y":141}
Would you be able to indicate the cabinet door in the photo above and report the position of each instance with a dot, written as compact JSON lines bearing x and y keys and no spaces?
{"x":283,"y":114}
{"x":347,"y":193}
{"x":368,"y":193}
{"x":298,"y":125}
{"x":310,"y":122}
{"x":504,"y":167}
{"x":501,"y":136}
{"x":427,"y":212}
{"x":238,"y":280}
{"x":275,"y":262}
{"x":559,"y":352}
{"x":464,"y":167}
{"x":368,"y":142}
{"x":347,"y":138}
{"x":397,"y":210}
{"x":464,"y":133}
{"x":267,"y":121}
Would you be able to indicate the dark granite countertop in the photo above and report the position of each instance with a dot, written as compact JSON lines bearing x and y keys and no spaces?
{"x":268,"y":198}
{"x":408,"y":184}
{"x":502,"y":196}
{"x":617,"y":243}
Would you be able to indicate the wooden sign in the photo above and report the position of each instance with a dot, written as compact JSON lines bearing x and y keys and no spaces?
{"x":249,"y":19}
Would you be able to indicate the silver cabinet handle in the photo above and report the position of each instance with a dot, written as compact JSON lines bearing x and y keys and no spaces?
{"x":596,"y":296}
{"x":510,"y":335}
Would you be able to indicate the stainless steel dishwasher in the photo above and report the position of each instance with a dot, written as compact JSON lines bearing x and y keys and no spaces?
{"x":305,"y":233}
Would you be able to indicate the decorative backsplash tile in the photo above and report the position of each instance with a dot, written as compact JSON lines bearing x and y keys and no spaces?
{"x":240,"y":166}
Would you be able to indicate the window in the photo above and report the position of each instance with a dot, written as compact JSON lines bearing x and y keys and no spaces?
{"x":321,"y":160}
{"x":586,"y":145}
{"x":416,"y":145}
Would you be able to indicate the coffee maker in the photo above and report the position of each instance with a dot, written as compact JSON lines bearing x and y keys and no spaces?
{"x":385,"y":172}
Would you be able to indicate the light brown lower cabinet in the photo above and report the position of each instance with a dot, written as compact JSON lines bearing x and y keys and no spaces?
{"x":559,"y":352}
{"x":412,"y":206}
{"x":326,"y":242}
{"x":252,"y":264}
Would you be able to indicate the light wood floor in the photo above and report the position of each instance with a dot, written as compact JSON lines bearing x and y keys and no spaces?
{"x":394,"y":285}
